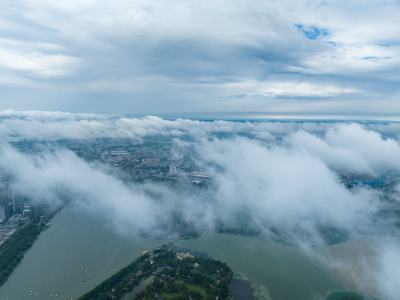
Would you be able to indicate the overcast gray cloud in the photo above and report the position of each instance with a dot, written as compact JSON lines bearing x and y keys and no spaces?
{"x":181,"y":57}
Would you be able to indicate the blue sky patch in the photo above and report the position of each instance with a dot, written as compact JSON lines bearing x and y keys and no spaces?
{"x":312,"y":32}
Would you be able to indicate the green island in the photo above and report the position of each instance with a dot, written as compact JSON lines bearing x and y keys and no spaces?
{"x":342,"y":295}
{"x":167,"y":273}
{"x":12,"y":250}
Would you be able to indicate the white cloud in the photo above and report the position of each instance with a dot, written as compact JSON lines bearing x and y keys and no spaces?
{"x":387,"y":277}
{"x":36,"y":63}
{"x":276,"y":175}
{"x":283,"y":189}
{"x":351,"y":148}
{"x":47,"y":177}
{"x":281,"y":88}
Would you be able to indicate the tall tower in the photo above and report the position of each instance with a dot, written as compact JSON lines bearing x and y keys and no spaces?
{"x":172,"y":170}
{"x":13,"y":200}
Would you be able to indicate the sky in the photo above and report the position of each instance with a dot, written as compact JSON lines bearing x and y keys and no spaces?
{"x":316,"y":57}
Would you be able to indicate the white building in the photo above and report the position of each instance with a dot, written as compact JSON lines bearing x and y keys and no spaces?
{"x":172,"y":170}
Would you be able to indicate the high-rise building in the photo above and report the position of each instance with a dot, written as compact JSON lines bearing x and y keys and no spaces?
{"x":2,"y":214}
{"x":13,"y":202}
{"x":172,"y":170}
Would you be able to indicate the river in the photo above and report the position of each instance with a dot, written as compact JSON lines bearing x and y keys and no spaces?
{"x":80,"y":250}
{"x":283,"y":270}
{"x":76,"y":253}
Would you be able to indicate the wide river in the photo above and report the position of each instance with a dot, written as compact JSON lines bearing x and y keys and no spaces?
{"x":79,"y":251}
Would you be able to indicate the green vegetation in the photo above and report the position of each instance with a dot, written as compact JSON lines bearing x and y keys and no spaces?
{"x":167,"y":273}
{"x":341,"y":295}
{"x":122,"y":282}
{"x":13,"y":250}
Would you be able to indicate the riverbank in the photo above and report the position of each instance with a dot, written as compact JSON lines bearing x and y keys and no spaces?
{"x":77,"y":252}
{"x":13,"y":250}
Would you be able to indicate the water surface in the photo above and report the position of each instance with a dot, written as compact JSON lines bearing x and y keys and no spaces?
{"x":285,"y":271}
{"x":80,"y":250}
{"x":71,"y":257}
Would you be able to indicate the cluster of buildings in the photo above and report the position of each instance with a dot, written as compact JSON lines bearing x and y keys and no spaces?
{"x":149,"y":159}
{"x":12,"y":213}
{"x":6,"y":231}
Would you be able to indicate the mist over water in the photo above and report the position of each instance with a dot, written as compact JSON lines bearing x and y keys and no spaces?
{"x":283,"y":179}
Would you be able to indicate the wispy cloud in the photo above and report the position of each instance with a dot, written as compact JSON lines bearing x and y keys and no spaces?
{"x":84,"y":50}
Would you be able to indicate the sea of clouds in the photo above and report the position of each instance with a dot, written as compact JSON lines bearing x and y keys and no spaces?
{"x":280,"y":175}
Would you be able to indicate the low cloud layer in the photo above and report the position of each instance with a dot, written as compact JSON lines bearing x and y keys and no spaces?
{"x":279,"y":177}
{"x":350,"y":148}
{"x":283,"y":188}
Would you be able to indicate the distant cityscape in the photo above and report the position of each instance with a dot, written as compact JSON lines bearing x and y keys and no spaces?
{"x":151,"y":160}
{"x":132,"y":162}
